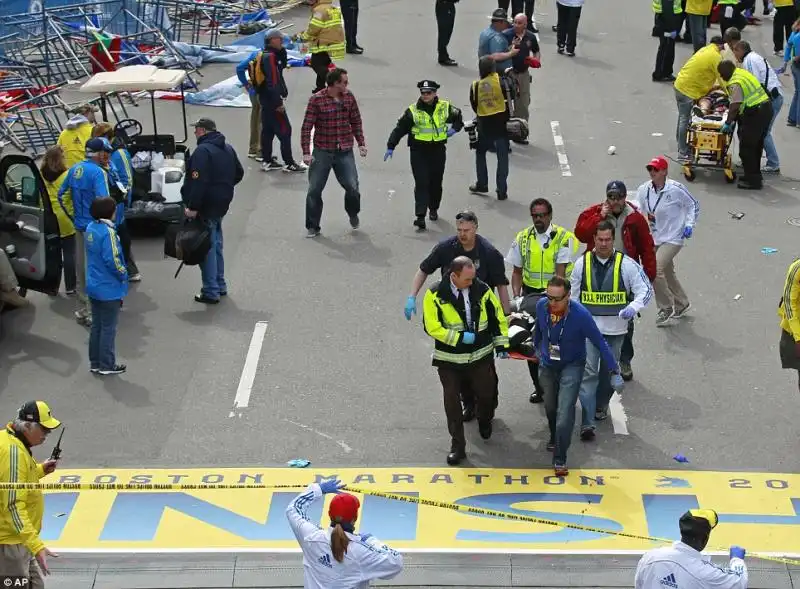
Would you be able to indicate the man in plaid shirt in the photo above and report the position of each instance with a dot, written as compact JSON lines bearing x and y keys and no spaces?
{"x":334,"y":116}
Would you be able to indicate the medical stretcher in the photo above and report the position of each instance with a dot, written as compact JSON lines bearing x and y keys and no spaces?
{"x":710,"y":147}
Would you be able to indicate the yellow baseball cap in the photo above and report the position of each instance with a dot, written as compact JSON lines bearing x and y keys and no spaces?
{"x":38,"y":412}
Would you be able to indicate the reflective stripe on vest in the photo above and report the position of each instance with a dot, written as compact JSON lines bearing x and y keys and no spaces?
{"x":728,"y":2}
{"x":658,"y":7}
{"x":752,"y":91}
{"x":489,"y":95}
{"x":609,"y":297}
{"x":538,"y":268}
{"x":334,"y":50}
{"x":427,"y":128}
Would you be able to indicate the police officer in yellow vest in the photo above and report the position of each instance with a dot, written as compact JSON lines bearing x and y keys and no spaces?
{"x":325,"y":38}
{"x":751,"y":107}
{"x":466,"y":320}
{"x":489,"y":100}
{"x":426,"y":124}
{"x":668,"y":18}
{"x":538,"y":253}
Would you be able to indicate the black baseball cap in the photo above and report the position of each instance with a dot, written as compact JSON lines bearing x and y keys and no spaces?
{"x":206,"y":124}
{"x":617,"y":186}
{"x":499,"y":15}
{"x":38,"y":412}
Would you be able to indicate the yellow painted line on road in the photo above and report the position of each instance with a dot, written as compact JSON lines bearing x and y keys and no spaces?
{"x":445,"y":510}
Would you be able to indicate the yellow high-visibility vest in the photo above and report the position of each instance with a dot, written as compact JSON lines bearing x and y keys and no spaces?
{"x":658,"y":7}
{"x":489,"y":95}
{"x":539,"y":264}
{"x":752,"y":90}
{"x":427,"y":128}
{"x":608,"y":297}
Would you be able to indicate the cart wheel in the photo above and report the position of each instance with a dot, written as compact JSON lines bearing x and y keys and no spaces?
{"x":22,"y":291}
{"x":689,"y":174}
{"x":730,"y":176}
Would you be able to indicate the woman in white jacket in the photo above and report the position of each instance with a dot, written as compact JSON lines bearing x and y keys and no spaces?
{"x":336,"y":557}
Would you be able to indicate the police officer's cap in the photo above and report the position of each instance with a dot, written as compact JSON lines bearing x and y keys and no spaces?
{"x":698,"y":523}
{"x":428,"y":86}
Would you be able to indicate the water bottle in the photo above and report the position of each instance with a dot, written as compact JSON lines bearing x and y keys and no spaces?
{"x":390,"y":194}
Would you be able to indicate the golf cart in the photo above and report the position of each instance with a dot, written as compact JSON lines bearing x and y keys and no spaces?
{"x":158,"y":160}
{"x":34,"y":251}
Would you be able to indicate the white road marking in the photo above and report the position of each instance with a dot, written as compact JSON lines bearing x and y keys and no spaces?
{"x":619,"y":418}
{"x":242,"y":398}
{"x":344,"y":446}
{"x":561,"y":151}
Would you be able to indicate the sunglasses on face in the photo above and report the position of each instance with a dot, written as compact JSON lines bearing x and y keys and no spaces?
{"x":556,"y":299}
{"x":466,"y":217}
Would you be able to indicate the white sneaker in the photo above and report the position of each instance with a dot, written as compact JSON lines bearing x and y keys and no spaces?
{"x":270,"y":166}
{"x":295,"y":167}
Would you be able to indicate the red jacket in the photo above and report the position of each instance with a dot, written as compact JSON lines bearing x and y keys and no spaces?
{"x":636,"y":236}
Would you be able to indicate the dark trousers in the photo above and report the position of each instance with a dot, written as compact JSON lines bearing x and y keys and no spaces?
{"x":275,"y":124}
{"x":350,"y":17}
{"x":568,"y":19}
{"x":518,"y":7}
{"x":319,"y":63}
{"x":68,"y":257}
{"x":752,"y":130}
{"x":626,"y":352}
{"x":427,"y":165}
{"x":102,"y":337}
{"x":343,"y":164}
{"x":445,"y":21}
{"x":727,"y":22}
{"x":665,"y":57}
{"x":533,"y":368}
{"x":127,"y":252}
{"x":480,"y":378}
{"x":782,"y":25}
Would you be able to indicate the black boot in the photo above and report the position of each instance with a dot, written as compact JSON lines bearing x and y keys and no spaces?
{"x":455,"y":457}
{"x":419,"y":223}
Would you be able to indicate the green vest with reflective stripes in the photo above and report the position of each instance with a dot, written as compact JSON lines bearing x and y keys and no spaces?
{"x":752,"y":90}
{"x":607,"y":296}
{"x":728,"y":2}
{"x":443,"y":321}
{"x":427,"y":128}
{"x":658,"y":8}
{"x":539,"y":264}
{"x":335,"y":50}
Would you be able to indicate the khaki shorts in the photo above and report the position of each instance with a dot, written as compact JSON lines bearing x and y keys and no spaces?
{"x":17,"y":561}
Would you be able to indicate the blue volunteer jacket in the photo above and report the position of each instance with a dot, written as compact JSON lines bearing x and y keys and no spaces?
{"x":121,"y":166}
{"x":106,"y":273}
{"x":85,"y":182}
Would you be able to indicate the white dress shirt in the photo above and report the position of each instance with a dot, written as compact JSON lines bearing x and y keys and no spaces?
{"x":635,"y":281}
{"x":758,"y":66}
{"x":464,"y":293}
{"x":563,"y":256}
{"x":674,"y":209}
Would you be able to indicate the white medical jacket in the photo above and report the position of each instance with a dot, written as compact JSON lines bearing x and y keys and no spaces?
{"x":362,"y":562}
{"x":682,"y":567}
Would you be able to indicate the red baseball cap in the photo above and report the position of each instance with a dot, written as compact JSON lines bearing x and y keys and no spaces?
{"x":344,"y":508}
{"x":659,"y":163}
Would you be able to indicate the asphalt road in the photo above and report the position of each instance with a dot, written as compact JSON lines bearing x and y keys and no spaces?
{"x":343,"y":379}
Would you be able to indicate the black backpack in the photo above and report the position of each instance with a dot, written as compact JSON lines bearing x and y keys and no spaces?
{"x":188,"y":242}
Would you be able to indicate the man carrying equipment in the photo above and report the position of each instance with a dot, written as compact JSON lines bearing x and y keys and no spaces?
{"x":426,"y":124}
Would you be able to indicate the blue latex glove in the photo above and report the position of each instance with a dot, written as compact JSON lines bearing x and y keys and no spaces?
{"x":503,"y":355}
{"x":365,"y":537}
{"x":469,"y":337}
{"x":451,"y":132}
{"x":411,"y":307}
{"x":627,"y":313}
{"x":737,"y":552}
{"x":616,"y":382}
{"x":687,"y":232}
{"x":251,"y":91}
{"x":388,"y":154}
{"x":331,"y":486}
{"x":726,"y":128}
{"x":781,"y":70}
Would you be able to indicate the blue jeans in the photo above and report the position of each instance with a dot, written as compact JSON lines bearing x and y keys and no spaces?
{"x":794,"y":109}
{"x":685,"y":105}
{"x":102,"y":352}
{"x":500,"y":145}
{"x":343,"y":164}
{"x":212,"y":269}
{"x":769,"y":143}
{"x":596,"y":387}
{"x":560,"y":387}
{"x":697,"y":25}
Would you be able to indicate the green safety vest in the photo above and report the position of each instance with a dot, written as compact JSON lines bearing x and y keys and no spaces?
{"x":658,"y":8}
{"x":752,"y":90}
{"x":605,"y":298}
{"x":427,"y":128}
{"x":728,"y":2}
{"x":539,"y":264}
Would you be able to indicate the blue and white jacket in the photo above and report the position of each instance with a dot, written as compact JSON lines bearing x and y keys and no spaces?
{"x":106,"y":272}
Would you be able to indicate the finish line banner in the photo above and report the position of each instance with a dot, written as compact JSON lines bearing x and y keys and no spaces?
{"x":761,"y":511}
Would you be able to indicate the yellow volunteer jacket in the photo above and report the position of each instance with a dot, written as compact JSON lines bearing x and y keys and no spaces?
{"x":65,"y":225}
{"x":789,"y":307}
{"x":699,"y":75}
{"x":782,"y":3}
{"x":73,"y":141}
{"x":701,"y":7}
{"x":22,"y":509}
